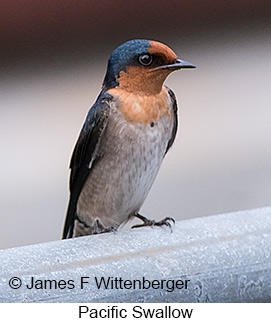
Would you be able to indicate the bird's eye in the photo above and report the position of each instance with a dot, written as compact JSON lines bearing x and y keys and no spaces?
{"x":145,"y":59}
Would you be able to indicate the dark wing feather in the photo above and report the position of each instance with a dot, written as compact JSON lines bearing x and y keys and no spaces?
{"x":175,"y":118}
{"x":85,"y":155}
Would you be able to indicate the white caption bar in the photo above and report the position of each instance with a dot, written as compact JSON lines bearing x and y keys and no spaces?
{"x":151,"y":311}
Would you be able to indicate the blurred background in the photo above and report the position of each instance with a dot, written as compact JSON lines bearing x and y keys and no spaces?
{"x":53,"y":59}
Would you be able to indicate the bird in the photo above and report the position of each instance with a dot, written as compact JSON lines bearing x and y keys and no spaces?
{"x":125,"y":137}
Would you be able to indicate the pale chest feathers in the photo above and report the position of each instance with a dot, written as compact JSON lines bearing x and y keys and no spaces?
{"x":143,"y":109}
{"x":131,"y":152}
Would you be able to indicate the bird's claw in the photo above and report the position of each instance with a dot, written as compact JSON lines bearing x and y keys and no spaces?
{"x":99,"y":228}
{"x":151,"y":223}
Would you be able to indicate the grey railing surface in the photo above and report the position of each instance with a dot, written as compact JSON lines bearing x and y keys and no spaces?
{"x":221,"y":258}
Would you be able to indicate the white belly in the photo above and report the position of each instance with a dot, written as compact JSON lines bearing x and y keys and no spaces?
{"x":131,"y":156}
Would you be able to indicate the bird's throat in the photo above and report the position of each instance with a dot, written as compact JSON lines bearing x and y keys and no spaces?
{"x":142,"y":81}
{"x":142,"y":109}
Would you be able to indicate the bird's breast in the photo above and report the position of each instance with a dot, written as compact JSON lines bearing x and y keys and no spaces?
{"x":143,"y":109}
{"x":131,"y":152}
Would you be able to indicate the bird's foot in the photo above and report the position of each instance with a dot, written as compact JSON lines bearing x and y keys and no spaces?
{"x":99,"y":228}
{"x":151,"y":223}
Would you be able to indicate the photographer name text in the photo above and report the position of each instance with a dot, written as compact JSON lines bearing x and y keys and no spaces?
{"x":100,"y":283}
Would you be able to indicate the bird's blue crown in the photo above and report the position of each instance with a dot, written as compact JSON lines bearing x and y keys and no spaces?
{"x":123,"y":56}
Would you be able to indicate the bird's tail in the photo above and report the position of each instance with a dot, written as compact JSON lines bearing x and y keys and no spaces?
{"x":70,"y":218}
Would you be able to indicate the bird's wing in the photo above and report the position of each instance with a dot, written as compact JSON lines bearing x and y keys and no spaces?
{"x":175,"y":118}
{"x":85,"y":155}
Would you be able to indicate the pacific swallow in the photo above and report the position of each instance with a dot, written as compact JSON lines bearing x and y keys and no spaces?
{"x":124,"y":139}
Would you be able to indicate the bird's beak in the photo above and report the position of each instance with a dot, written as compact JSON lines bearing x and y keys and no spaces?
{"x":176,"y":65}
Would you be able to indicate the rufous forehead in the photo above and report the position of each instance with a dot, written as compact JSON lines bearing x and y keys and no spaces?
{"x":157,"y":48}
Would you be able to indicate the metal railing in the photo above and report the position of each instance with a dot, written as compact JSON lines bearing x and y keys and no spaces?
{"x":221,"y":258}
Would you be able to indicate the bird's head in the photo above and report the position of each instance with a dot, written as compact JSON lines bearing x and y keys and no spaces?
{"x":141,"y":66}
